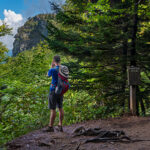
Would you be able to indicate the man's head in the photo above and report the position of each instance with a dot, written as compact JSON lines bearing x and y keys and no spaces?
{"x":56,"y":59}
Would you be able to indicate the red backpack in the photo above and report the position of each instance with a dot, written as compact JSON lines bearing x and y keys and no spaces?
{"x":62,"y":84}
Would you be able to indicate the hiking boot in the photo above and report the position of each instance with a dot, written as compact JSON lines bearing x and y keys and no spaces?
{"x":60,"y":128}
{"x":49,"y":129}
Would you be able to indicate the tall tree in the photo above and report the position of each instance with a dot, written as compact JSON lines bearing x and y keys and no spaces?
{"x":99,"y":34}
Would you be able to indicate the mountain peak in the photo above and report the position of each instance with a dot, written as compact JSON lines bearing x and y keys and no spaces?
{"x":29,"y":35}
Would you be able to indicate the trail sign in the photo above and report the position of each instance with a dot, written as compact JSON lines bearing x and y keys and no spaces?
{"x":133,"y":81}
{"x":133,"y":75}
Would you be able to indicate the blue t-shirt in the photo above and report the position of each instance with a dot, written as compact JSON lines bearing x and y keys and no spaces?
{"x":54,"y":73}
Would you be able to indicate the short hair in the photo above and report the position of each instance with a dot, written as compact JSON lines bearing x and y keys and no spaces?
{"x":56,"y":58}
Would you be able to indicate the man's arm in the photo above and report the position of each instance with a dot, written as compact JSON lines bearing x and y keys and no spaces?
{"x":49,"y":74}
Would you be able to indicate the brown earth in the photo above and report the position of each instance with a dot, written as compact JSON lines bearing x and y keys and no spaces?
{"x":134,"y":127}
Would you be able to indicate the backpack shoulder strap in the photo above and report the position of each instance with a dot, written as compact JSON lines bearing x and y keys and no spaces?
{"x":57,"y":68}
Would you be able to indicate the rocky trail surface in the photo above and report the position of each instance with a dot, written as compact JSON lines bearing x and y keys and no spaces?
{"x":136,"y":128}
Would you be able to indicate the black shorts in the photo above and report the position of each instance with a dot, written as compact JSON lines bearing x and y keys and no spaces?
{"x":54,"y":100}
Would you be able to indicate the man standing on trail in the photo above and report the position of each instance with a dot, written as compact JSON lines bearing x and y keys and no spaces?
{"x":60,"y":82}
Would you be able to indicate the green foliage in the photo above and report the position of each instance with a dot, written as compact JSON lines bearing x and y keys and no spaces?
{"x":4,"y":29}
{"x":3,"y":51}
{"x":23,"y":93}
{"x":100,"y":36}
{"x":22,"y":108}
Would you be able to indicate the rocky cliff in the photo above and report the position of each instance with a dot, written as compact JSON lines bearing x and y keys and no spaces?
{"x":29,"y":35}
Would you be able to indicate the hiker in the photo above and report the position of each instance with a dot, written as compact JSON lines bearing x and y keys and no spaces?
{"x":58,"y":87}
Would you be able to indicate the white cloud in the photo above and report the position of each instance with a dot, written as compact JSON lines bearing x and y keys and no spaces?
{"x":14,"y":21}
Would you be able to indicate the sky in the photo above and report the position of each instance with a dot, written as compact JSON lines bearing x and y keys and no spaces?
{"x":15,"y":13}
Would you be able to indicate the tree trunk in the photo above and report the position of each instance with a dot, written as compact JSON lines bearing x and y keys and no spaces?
{"x":124,"y":64}
{"x":141,"y":101}
{"x":137,"y":102}
{"x":133,"y":44}
{"x":147,"y":104}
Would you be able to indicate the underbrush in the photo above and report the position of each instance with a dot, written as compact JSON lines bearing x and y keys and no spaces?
{"x":24,"y":108}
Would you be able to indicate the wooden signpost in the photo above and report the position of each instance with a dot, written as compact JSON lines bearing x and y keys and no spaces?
{"x":133,"y":81}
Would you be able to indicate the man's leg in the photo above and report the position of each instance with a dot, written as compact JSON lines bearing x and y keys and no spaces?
{"x":51,"y":121}
{"x":52,"y":117}
{"x":61,"y":112}
{"x":61,"y":116}
{"x":52,"y":107}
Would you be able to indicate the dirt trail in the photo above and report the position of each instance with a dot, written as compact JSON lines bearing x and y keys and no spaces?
{"x":134,"y":127}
